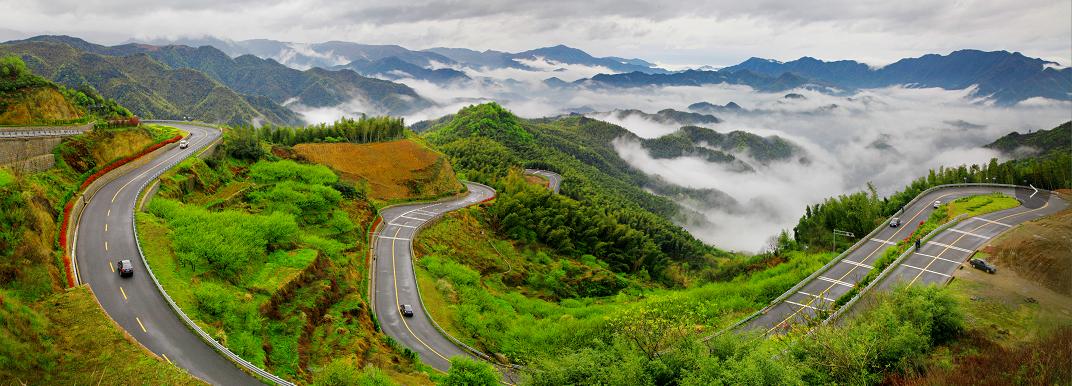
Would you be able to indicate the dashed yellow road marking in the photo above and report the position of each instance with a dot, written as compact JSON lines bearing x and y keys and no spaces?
{"x":112,"y":267}
{"x":124,"y":293}
{"x":105,"y":245}
{"x":139,"y":323}
{"x":105,"y":227}
{"x":394,"y":274}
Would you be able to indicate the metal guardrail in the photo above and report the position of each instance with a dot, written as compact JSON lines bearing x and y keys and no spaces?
{"x":851,"y":249}
{"x":175,"y":307}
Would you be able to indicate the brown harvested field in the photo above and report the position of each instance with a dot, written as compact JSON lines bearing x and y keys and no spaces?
{"x":1039,"y":250}
{"x":395,"y":170}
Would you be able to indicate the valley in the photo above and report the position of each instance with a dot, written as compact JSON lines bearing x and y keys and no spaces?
{"x":318,"y":193}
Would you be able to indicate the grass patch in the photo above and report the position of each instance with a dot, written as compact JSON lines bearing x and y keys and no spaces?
{"x":67,"y":339}
{"x":979,"y":205}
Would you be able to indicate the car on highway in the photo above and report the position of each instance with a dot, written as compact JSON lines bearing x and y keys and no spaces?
{"x":982,"y":265}
{"x":895,"y":222}
{"x":184,"y":144}
{"x":125,"y":268}
{"x":937,"y":204}
{"x":406,"y":310}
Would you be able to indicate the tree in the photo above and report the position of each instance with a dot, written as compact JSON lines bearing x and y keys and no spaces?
{"x":470,"y":372}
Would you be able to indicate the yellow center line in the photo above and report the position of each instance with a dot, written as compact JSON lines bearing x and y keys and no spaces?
{"x":109,"y":213}
{"x":142,"y":325}
{"x":864,"y":260}
{"x":105,"y":227}
{"x":112,"y":267}
{"x":144,"y":173}
{"x":962,"y":236}
{"x":124,"y":293}
{"x":105,"y":245}
{"x":166,"y":358}
{"x":394,"y":274}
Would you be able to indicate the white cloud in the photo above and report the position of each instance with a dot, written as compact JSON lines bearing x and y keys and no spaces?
{"x":713,"y":32}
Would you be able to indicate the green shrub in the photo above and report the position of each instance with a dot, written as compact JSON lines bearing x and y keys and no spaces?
{"x":469,"y":372}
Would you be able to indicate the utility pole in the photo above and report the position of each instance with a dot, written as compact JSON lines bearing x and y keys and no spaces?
{"x":843,"y":233}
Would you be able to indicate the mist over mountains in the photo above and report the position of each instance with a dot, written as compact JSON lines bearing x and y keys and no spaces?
{"x":746,"y":134}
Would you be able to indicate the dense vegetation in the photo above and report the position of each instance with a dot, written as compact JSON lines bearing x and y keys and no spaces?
{"x":361,"y":130}
{"x":526,"y":300}
{"x":268,"y":255}
{"x":214,"y":86}
{"x":145,"y":86}
{"x":699,"y":141}
{"x":861,"y":212}
{"x":656,"y":348}
{"x":28,"y":99}
{"x":486,"y":141}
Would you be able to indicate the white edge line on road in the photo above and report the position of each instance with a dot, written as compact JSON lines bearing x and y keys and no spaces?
{"x":801,"y":305}
{"x":817,"y":296}
{"x":883,"y":241}
{"x":969,"y":233}
{"x":925,"y":270}
{"x":857,"y":264}
{"x":949,"y":246}
{"x":393,"y":238}
{"x":936,"y":257}
{"x":835,"y":281}
{"x":401,"y":225}
{"x":993,"y":222}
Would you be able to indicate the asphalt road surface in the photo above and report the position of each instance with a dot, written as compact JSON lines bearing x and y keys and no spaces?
{"x":105,"y":236}
{"x":555,"y":180}
{"x":934,"y":262}
{"x":395,"y":283}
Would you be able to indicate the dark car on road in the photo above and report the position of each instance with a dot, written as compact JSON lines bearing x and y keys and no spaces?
{"x":982,"y":265}
{"x":406,"y":310}
{"x":125,"y":268}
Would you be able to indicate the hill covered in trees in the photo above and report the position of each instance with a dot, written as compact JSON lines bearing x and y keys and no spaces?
{"x":1041,"y":142}
{"x":28,"y":99}
{"x":604,"y":209}
{"x":204,"y":83}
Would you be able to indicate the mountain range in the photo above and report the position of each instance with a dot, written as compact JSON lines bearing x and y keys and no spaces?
{"x":204,"y":82}
{"x":334,"y":53}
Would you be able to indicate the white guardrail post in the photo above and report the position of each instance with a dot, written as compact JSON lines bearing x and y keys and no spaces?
{"x":182,"y":315}
{"x":852,"y":248}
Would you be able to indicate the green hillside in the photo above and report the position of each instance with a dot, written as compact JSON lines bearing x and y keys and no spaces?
{"x":1039,"y":142}
{"x":604,"y":210}
{"x":147,"y":87}
{"x":28,"y":99}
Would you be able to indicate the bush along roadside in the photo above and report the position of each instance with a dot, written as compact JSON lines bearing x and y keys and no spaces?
{"x":65,"y":221}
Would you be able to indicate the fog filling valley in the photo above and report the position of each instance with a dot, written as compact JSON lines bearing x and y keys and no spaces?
{"x":886,"y":136}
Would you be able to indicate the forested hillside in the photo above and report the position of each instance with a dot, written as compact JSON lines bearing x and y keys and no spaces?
{"x":28,"y":99}
{"x":604,"y":208}
{"x":147,"y":87}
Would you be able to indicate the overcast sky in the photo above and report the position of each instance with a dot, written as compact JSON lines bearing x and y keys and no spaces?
{"x":678,"y":33}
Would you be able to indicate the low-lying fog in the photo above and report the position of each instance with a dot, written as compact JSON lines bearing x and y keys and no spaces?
{"x":885,"y":136}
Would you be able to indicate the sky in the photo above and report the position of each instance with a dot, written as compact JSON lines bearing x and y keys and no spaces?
{"x":672,"y":33}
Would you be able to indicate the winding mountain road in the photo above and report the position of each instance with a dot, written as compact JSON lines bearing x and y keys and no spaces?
{"x":933,"y":263}
{"x":394,"y":280}
{"x":105,"y":236}
{"x":554,"y":179}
